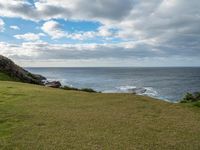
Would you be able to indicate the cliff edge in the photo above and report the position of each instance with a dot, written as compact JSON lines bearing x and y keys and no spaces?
{"x":8,"y":67}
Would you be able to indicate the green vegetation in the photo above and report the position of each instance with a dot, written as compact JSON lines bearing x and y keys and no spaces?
{"x":30,"y":75}
{"x":5,"y":77}
{"x":36,"y":117}
{"x":192,"y":98}
{"x":88,"y":90}
{"x":76,"y":89}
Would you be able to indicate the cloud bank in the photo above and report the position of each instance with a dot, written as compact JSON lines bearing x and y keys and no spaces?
{"x":156,"y":28}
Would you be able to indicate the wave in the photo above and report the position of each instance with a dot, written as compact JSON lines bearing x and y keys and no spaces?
{"x":149,"y":91}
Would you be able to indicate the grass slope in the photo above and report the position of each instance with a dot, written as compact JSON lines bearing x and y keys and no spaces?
{"x":35,"y":117}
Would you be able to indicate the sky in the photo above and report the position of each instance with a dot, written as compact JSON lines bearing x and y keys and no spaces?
{"x":100,"y":33}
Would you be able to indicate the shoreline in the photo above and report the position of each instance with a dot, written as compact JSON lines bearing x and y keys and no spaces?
{"x":170,"y":84}
{"x":131,"y":90}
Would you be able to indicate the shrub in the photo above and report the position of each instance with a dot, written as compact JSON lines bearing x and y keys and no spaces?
{"x":197,"y":95}
{"x":88,"y":90}
{"x":69,"y":88}
{"x":76,"y":89}
{"x":189,"y":98}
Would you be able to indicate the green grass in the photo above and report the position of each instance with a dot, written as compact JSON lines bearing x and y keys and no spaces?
{"x":35,"y":117}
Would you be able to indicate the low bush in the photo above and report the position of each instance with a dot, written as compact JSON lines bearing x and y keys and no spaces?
{"x":69,"y":88}
{"x":76,"y":89}
{"x":88,"y":90}
{"x":191,"y":98}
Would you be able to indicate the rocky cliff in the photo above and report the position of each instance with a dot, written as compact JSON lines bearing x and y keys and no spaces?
{"x":8,"y":67}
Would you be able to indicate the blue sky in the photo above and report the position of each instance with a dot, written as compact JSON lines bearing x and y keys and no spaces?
{"x":100,"y":33}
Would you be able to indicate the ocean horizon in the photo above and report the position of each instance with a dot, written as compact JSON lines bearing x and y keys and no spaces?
{"x":165,"y":83}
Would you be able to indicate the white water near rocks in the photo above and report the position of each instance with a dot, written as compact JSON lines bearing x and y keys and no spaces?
{"x":163,"y":83}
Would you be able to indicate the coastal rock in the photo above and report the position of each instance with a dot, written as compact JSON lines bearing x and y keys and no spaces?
{"x":53,"y":84}
{"x":8,"y":67}
{"x":138,"y":90}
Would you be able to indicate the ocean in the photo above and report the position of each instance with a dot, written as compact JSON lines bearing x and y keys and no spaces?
{"x":165,"y":83}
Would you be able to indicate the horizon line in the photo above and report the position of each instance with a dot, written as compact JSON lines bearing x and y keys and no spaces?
{"x":114,"y":67}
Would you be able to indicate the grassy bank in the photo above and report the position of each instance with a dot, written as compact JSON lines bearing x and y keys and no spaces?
{"x":35,"y":117}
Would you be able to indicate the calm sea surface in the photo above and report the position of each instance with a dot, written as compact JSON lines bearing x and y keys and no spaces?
{"x":163,"y":83}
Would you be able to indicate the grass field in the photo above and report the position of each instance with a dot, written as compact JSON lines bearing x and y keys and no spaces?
{"x":38,"y":118}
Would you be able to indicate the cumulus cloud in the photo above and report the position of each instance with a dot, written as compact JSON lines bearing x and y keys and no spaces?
{"x":46,"y":9}
{"x":161,"y":28}
{"x":29,"y":36}
{"x":162,"y":20}
{"x":135,"y":19}
{"x":53,"y":29}
{"x":15,"y":27}
{"x":1,"y":25}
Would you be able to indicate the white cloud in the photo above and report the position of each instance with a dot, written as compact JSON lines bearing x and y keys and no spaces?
{"x":159,"y":27}
{"x":1,"y":25}
{"x":122,"y":50}
{"x":15,"y":50}
{"x":78,"y":9}
{"x":52,"y":28}
{"x":104,"y":31}
{"x":15,"y":27}
{"x":135,"y":20}
{"x":29,"y":36}
{"x":131,"y":54}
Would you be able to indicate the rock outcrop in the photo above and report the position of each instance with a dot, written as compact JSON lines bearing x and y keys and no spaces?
{"x":11,"y":69}
{"x":53,"y":84}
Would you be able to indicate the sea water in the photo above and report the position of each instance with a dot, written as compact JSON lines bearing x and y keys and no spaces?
{"x":167,"y":83}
